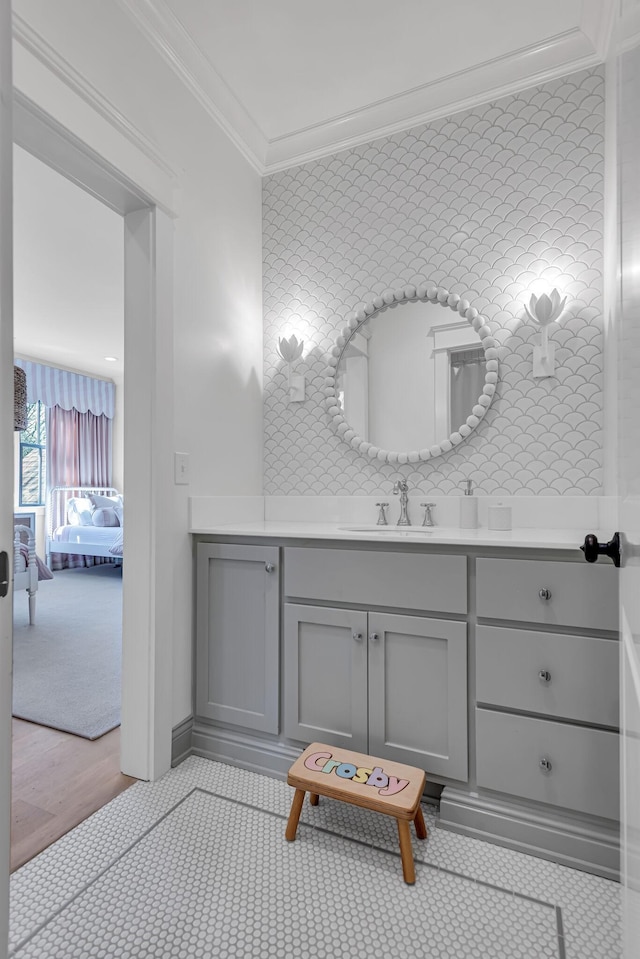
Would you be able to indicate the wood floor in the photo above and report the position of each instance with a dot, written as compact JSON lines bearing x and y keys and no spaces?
{"x":58,"y":780}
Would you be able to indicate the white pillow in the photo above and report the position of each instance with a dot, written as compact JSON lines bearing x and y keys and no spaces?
{"x":104,"y":516}
{"x":119,"y":513}
{"x":99,"y":500}
{"x":79,"y":511}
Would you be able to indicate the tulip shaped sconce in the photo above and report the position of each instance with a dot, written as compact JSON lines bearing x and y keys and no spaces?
{"x":544,"y":310}
{"x":291,"y":350}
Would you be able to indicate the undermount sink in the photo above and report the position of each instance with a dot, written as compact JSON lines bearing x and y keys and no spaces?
{"x":413,"y":530}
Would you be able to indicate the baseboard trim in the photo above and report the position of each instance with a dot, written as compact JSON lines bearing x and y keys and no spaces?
{"x":592,"y":846}
{"x":181,"y":741}
{"x":271,"y":757}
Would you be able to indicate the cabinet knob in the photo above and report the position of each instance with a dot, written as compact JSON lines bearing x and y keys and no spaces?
{"x":544,"y":593}
{"x":545,"y":764}
{"x":269,"y":567}
{"x":544,"y":676}
{"x":357,"y":636}
{"x":374,"y":637}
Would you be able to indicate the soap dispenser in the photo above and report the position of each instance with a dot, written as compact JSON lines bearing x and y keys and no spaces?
{"x":468,"y":507}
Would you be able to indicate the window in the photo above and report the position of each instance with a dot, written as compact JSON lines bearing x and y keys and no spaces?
{"x":33,"y":456}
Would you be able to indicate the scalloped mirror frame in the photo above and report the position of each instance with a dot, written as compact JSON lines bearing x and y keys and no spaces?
{"x":431,"y":293}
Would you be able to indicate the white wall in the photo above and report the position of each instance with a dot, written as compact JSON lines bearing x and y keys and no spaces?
{"x":214,"y":412}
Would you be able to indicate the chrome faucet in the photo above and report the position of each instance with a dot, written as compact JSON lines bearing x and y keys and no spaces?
{"x":401,"y":488}
{"x":382,"y":516}
{"x":428,"y":516}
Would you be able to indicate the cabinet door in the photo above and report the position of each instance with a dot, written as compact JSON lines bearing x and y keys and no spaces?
{"x":325,"y":675}
{"x":237,"y":635}
{"x":418,"y":692}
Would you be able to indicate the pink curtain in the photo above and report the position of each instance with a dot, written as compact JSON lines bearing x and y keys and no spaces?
{"x":78,"y":454}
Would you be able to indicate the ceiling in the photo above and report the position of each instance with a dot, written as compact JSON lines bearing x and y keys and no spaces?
{"x":68,"y":272}
{"x":291,"y":80}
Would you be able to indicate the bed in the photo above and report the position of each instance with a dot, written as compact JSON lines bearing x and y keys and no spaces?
{"x":27,"y":568}
{"x":85,"y":521}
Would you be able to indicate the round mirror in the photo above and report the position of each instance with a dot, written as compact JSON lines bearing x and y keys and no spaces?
{"x":404,"y":375}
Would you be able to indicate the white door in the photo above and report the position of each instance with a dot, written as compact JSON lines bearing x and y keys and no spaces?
{"x":6,"y":460}
{"x":629,"y":462}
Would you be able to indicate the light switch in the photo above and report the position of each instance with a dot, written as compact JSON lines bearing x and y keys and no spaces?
{"x":181,"y":468}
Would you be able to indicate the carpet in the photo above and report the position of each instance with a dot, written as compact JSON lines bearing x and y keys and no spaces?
{"x":67,"y":668}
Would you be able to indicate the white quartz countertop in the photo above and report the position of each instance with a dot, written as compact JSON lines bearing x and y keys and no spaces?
{"x":441,"y":536}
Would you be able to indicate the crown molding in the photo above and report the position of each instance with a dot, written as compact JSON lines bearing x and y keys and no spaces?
{"x":629,"y":37}
{"x":166,"y":34}
{"x":596,"y":22}
{"x":38,"y":47}
{"x":577,"y":49}
{"x":574,"y":50}
{"x":527,"y":67}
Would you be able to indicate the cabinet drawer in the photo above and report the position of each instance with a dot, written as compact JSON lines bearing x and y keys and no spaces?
{"x":581,"y":594}
{"x":377,"y":578}
{"x":584,"y":762}
{"x":509,"y":661}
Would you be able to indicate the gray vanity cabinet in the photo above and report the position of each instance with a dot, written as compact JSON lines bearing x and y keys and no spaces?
{"x":237,"y":635}
{"x":387,"y":684}
{"x":496,"y":672}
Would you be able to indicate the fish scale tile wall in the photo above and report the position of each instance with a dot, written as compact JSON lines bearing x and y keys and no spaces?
{"x":484,"y":203}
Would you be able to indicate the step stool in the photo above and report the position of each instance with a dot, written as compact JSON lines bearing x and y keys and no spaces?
{"x":386,"y":787}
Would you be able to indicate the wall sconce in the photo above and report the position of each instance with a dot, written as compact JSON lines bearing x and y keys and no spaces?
{"x":291,"y":350}
{"x":544,"y":310}
{"x":19,"y":398}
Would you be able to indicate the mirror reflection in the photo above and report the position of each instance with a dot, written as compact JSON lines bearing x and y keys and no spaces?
{"x":410,"y":375}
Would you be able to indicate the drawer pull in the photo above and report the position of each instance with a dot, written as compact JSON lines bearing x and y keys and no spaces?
{"x":544,"y":676}
{"x":357,"y":636}
{"x":545,"y":764}
{"x":374,"y":637}
{"x":544,"y":593}
{"x":269,"y":567}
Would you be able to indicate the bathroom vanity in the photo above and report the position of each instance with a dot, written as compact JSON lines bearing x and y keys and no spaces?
{"x":488,"y":659}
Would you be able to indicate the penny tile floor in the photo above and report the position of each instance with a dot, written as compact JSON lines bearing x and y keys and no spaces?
{"x":196,"y":865}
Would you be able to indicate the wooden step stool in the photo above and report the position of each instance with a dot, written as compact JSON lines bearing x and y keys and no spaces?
{"x":387,"y":787}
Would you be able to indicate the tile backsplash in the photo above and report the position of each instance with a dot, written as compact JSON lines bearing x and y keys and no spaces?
{"x":485,"y":203}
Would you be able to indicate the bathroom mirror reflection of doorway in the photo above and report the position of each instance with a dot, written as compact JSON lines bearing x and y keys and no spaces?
{"x":466,"y":378}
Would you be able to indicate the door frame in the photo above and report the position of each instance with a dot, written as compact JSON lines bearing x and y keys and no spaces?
{"x":148,"y":432}
{"x":6,"y":459}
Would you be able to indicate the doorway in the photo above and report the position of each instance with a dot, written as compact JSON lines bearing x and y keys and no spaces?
{"x":68,"y":316}
{"x":145,"y":751}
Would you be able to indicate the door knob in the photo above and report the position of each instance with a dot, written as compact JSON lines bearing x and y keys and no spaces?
{"x":269,"y":567}
{"x":4,"y":573}
{"x":374,"y":637}
{"x":592,"y":548}
{"x":544,"y":593}
{"x":545,"y":764}
{"x":357,"y":636}
{"x":544,"y":676}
